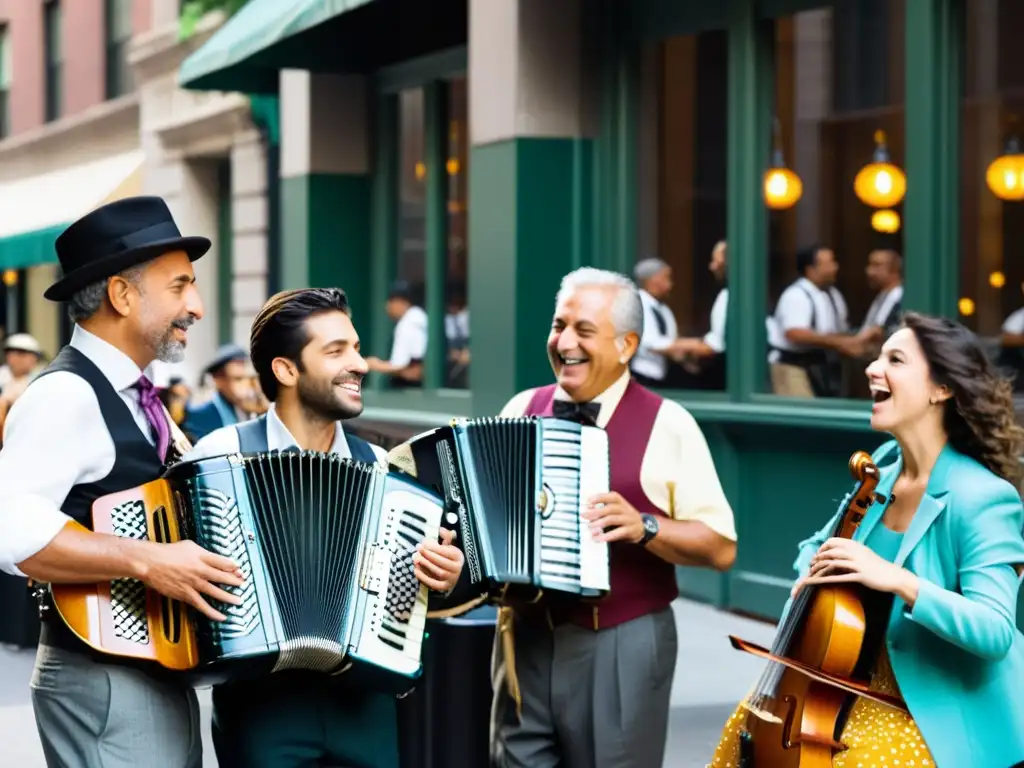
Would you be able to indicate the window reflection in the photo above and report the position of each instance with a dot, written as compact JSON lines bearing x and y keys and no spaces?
{"x":456,"y":271}
{"x":681,"y":211}
{"x":992,"y":228}
{"x":835,"y":256}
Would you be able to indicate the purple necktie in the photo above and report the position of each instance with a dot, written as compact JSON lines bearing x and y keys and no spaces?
{"x":155,"y":414}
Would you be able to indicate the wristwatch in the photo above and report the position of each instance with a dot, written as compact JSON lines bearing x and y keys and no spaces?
{"x":650,"y":529}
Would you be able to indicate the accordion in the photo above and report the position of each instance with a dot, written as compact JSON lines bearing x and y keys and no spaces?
{"x":516,"y":489}
{"x":325,"y":546}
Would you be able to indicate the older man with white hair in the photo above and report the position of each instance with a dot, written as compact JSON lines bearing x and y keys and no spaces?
{"x":589,"y":684}
{"x":659,"y":342}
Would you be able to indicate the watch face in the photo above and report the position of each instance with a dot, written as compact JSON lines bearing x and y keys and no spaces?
{"x":650,"y":524}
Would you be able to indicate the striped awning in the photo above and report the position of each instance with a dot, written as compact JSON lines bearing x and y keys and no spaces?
{"x":248,"y":51}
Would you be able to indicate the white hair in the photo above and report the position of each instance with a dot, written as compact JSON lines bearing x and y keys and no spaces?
{"x":648,"y":268}
{"x":627,"y":310}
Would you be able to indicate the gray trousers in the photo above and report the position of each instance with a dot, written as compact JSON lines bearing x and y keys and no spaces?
{"x":589,"y":699}
{"x":95,"y":715}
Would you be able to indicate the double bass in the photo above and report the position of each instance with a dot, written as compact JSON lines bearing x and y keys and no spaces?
{"x":820,"y":661}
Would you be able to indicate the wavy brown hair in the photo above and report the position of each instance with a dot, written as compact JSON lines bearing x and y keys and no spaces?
{"x":979,"y":417}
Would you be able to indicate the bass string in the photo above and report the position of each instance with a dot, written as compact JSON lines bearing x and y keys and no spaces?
{"x":773,"y":671}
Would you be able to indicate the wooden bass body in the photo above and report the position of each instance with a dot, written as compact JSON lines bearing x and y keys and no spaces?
{"x":821,"y":660}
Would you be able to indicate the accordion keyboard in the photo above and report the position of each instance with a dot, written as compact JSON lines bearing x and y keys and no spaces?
{"x":574,"y":467}
{"x":394,"y":635}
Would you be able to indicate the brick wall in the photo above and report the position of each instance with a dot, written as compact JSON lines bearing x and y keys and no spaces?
{"x":84,"y":41}
{"x":25,"y":30}
{"x":84,"y":49}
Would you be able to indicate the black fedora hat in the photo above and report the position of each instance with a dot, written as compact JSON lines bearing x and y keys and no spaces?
{"x":117,"y":236}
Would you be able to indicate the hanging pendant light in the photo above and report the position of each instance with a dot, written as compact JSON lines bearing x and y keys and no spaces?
{"x":782,"y":187}
{"x":880,"y":183}
{"x":1005,"y":174}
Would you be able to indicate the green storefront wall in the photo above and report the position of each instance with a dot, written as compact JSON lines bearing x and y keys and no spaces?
{"x":540,"y":207}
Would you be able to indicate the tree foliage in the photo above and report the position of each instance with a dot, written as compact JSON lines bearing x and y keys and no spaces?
{"x":193,"y":10}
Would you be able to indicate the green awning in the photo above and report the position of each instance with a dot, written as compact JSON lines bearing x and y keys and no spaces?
{"x":30,"y":249}
{"x":34,"y":210}
{"x":247,"y":53}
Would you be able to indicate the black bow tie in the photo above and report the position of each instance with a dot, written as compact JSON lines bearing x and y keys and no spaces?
{"x":584,"y":413}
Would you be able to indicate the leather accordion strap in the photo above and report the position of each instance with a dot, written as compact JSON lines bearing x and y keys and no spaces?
{"x":506,"y":618}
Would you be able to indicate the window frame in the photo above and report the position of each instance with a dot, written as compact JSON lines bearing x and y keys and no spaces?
{"x":118,"y":77}
{"x":6,"y":79}
{"x":53,"y":61}
{"x":933,"y":53}
{"x":432,"y":73}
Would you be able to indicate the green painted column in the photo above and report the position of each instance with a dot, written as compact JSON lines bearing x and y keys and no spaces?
{"x":934,"y":31}
{"x":326,"y":188}
{"x":529,"y":197}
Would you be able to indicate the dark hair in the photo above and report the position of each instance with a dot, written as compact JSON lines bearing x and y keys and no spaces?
{"x":979,"y":417}
{"x":805,"y":257}
{"x":279,"y":329}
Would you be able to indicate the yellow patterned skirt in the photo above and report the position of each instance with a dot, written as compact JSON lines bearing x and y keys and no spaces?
{"x":876,"y":736}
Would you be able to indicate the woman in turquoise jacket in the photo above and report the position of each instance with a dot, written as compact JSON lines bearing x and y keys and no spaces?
{"x":948,"y":544}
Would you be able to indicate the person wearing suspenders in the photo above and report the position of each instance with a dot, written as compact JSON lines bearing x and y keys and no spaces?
{"x":306,"y":353}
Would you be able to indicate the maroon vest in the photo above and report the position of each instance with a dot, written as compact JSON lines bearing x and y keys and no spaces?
{"x":641,"y":583}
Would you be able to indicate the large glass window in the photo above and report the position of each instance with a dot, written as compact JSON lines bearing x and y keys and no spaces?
{"x":412,"y":198}
{"x":119,"y":34}
{"x":835,"y":254}
{"x":52,"y":51}
{"x":992,"y":182}
{"x":456,"y":323}
{"x":682,"y":134}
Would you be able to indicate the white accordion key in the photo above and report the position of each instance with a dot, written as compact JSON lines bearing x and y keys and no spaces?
{"x":593,"y":480}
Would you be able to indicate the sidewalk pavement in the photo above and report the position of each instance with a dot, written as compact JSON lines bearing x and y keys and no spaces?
{"x":711,"y":677}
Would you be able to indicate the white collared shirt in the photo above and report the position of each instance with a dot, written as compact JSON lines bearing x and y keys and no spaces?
{"x":803,"y":302}
{"x":715,"y":337}
{"x":881,"y":307}
{"x":224,"y":441}
{"x":55,"y":438}
{"x":647,"y":361}
{"x":677,"y":452}
{"x":410,"y":342}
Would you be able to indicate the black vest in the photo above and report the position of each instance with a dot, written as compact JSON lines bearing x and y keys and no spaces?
{"x":135,"y":458}
{"x":135,"y":463}
{"x":252,"y":438}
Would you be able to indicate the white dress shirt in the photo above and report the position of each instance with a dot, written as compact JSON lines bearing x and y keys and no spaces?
{"x":881,"y":307}
{"x":715,"y":337}
{"x":801,"y":302}
{"x":677,"y":452}
{"x":410,"y":342}
{"x":647,"y":362}
{"x":1014,"y":323}
{"x":55,"y":438}
{"x":224,"y":441}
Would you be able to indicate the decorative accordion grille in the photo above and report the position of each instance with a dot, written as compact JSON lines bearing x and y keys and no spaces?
{"x":128,"y":596}
{"x":220,"y":531}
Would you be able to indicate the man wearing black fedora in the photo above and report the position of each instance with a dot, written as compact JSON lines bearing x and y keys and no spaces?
{"x":90,"y":425}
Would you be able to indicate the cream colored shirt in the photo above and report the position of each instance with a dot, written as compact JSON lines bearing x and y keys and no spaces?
{"x":676,"y":453}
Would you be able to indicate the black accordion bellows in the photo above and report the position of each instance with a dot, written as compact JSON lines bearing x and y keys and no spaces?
{"x":325,"y":545}
{"x":304,"y":506}
{"x":516,"y":488}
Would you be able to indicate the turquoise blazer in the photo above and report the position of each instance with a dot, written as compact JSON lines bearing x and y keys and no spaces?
{"x":957,"y":654}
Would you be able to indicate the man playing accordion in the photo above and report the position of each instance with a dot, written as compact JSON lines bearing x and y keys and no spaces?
{"x":592,"y":680}
{"x":306,"y":352}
